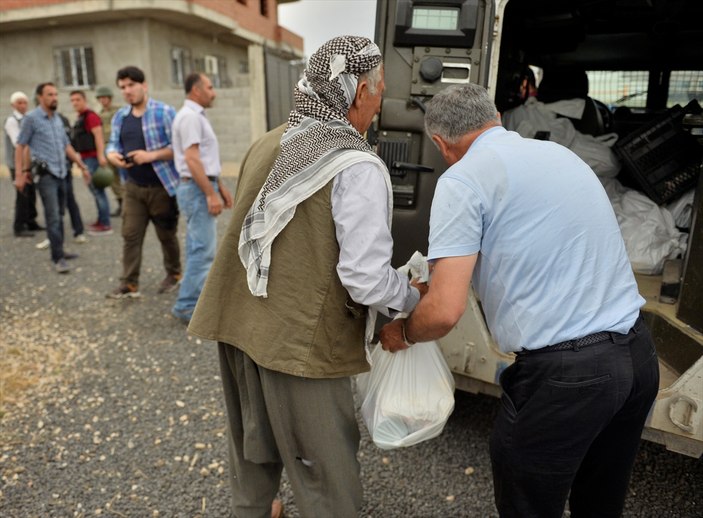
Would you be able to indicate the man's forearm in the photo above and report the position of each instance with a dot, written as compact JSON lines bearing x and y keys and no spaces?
{"x":73,"y":155}
{"x":197,"y":172}
{"x":165,"y":153}
{"x":20,"y":154}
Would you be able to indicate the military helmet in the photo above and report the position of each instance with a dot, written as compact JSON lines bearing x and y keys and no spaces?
{"x":103,"y":91}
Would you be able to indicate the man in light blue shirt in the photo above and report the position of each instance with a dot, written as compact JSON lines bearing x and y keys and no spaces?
{"x":533,"y":222}
{"x":201,"y":195}
{"x":43,"y":137}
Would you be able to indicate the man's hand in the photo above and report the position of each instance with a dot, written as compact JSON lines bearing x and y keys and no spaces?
{"x":102,"y":160}
{"x":392,"y":336}
{"x":422,"y":287}
{"x":86,"y":174}
{"x":141,"y":156}
{"x":117,"y":159}
{"x":214,"y":204}
{"x":22,"y":178}
{"x":226,"y":196}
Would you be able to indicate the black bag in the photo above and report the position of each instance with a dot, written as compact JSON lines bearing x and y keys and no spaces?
{"x":39,"y":168}
{"x":82,"y":140}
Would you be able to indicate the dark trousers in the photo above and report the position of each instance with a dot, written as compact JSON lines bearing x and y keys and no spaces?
{"x":571,"y":421}
{"x":141,"y":205}
{"x":53,"y":196}
{"x":25,"y":207}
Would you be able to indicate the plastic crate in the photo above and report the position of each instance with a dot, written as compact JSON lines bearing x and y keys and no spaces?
{"x":662,"y":158}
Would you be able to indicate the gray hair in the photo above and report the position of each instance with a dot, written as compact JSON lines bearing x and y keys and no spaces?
{"x":373,"y":77}
{"x":459,"y":110}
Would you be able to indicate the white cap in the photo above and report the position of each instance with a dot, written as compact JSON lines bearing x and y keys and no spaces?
{"x":17,"y":96}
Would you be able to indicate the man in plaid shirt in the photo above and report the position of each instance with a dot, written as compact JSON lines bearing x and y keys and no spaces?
{"x":140,"y":145}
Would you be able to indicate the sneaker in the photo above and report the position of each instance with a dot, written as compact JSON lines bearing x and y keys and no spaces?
{"x":80,"y":238}
{"x":97,"y":229}
{"x":36,"y":227}
{"x":23,"y":233}
{"x":118,"y":211}
{"x":62,"y":266}
{"x":42,"y":245}
{"x":182,"y":316}
{"x":69,"y":256}
{"x":169,"y":283}
{"x":124,"y":291}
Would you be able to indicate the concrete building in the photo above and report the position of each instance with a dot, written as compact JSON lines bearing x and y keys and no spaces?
{"x":80,"y":44}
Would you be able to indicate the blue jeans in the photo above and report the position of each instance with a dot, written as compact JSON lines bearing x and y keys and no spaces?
{"x":73,"y":211}
{"x":52,"y":191}
{"x":100,"y":195}
{"x":201,"y":244}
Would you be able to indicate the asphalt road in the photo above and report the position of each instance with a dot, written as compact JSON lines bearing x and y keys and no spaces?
{"x":124,"y":416}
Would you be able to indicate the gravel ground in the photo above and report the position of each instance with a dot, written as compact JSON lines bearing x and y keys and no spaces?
{"x":123,"y":414}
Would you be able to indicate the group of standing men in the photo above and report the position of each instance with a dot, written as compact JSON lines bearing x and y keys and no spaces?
{"x":167,"y":161}
{"x":147,"y":135}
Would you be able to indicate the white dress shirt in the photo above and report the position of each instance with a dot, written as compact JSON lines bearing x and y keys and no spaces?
{"x":360,"y":213}
{"x":192,"y":127}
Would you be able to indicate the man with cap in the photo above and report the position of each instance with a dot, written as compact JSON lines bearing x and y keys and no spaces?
{"x":107,"y":112}
{"x":26,"y":199}
{"x":293,"y":292}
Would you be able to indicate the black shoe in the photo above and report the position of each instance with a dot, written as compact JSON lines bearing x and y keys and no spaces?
{"x":68,"y":256}
{"x":24,"y":233}
{"x":35,"y":226}
{"x":117,"y":212}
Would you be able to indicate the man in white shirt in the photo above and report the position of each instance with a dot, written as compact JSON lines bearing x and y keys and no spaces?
{"x":201,"y":195}
{"x":26,"y":200}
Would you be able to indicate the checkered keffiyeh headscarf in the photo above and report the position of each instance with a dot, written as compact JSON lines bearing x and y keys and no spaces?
{"x":318,"y":144}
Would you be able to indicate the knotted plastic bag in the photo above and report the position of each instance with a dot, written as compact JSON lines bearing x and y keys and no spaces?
{"x":407,"y":397}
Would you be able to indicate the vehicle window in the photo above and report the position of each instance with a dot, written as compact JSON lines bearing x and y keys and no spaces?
{"x":684,"y":86}
{"x":619,"y":87}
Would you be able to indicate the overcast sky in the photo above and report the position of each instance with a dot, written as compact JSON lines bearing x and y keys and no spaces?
{"x":320,"y":20}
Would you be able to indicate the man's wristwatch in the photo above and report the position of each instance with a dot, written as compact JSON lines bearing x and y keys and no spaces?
{"x":405,"y":337}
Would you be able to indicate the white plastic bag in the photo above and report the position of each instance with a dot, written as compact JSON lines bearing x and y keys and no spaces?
{"x":407,"y":397}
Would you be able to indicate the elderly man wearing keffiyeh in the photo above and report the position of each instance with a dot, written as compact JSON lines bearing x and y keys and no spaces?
{"x":296,"y":284}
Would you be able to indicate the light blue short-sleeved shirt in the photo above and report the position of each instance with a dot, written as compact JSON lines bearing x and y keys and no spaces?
{"x":46,"y":138}
{"x":552,"y":264}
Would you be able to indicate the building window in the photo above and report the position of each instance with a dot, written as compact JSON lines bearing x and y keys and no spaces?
{"x":215,"y":67}
{"x":264,"y":7}
{"x":180,"y":65}
{"x":75,"y":67}
{"x":243,"y":2}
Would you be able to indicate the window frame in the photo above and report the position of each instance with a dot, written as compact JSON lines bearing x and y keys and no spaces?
{"x":86,"y":71}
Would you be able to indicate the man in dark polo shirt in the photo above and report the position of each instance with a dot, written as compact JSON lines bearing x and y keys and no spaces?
{"x":140,"y":143}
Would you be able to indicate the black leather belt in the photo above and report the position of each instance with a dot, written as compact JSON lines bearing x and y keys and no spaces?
{"x":578,"y":343}
{"x":571,"y":345}
{"x":188,"y":178}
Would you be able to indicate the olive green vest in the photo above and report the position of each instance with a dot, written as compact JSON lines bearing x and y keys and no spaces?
{"x":303,"y":327}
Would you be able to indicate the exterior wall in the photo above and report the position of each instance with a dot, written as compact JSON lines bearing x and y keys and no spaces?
{"x":230,"y":116}
{"x":27,"y":59}
{"x":142,"y":33}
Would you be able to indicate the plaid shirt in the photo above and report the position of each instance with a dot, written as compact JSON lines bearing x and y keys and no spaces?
{"x":156,"y":125}
{"x":46,"y":139}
